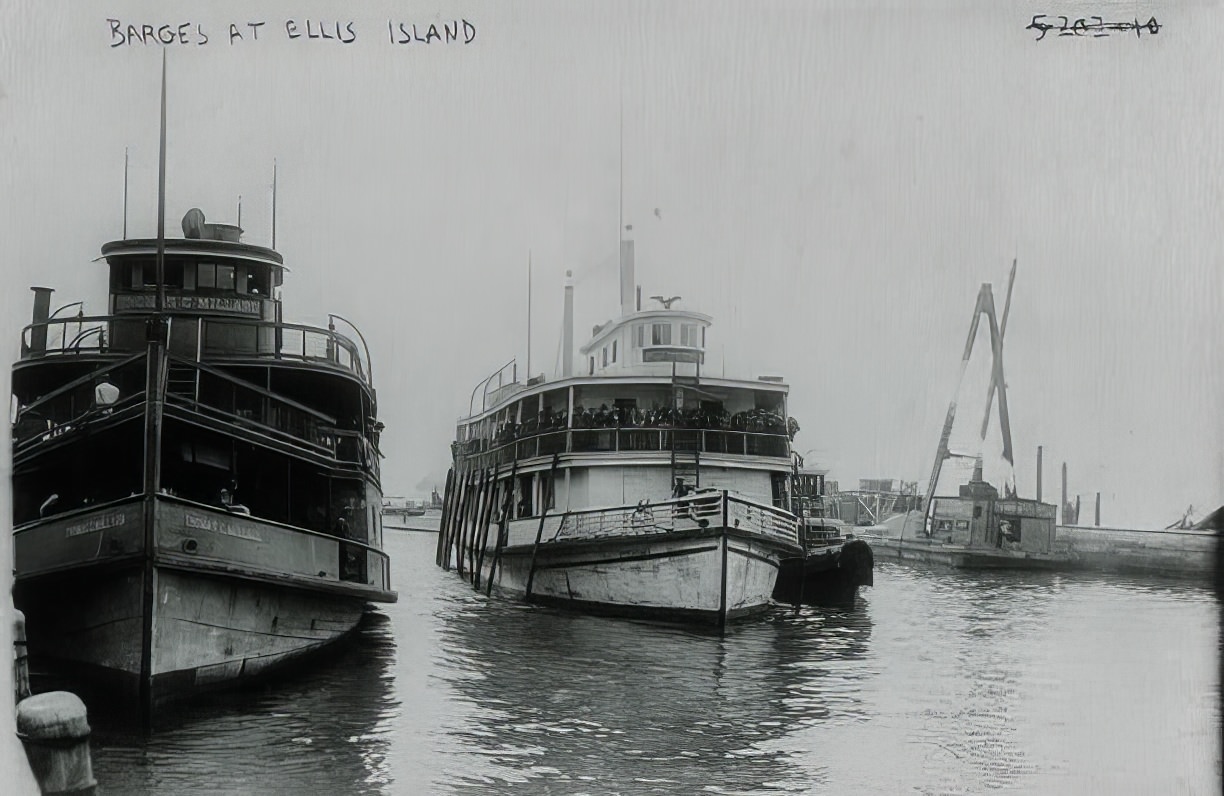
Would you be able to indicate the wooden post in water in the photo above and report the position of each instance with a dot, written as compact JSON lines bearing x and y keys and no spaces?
{"x":503,"y":526}
{"x":722,"y":587}
{"x":1097,"y":518}
{"x":483,"y":536}
{"x":482,"y":500}
{"x":54,"y":729}
{"x":21,"y":655}
{"x":442,"y":522}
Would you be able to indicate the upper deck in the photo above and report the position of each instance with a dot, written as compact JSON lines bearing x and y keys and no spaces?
{"x":220,"y":296}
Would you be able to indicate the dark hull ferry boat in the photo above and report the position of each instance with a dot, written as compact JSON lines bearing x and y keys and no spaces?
{"x":644,"y":488}
{"x":834,"y":564}
{"x":196,"y":490}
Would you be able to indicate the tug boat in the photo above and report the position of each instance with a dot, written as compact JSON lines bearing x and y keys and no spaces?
{"x":641,"y":488}
{"x":196,"y":495}
{"x":834,"y":563}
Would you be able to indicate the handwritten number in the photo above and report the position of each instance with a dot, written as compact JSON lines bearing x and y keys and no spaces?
{"x":1082,"y":26}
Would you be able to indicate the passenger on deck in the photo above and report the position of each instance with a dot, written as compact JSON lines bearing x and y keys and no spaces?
{"x":227,"y":500}
{"x":681,"y":489}
{"x":106,"y":394}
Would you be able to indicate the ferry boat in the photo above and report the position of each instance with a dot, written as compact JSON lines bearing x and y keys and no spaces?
{"x":196,"y":494}
{"x":834,"y":563}
{"x":642,"y":487}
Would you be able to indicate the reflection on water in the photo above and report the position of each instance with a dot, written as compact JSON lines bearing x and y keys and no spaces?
{"x":568,"y":699}
{"x":935,"y":682}
{"x":325,"y":724}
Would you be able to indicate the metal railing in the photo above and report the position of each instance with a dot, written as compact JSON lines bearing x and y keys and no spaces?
{"x":213,"y":338}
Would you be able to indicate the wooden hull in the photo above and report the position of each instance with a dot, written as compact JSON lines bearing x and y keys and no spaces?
{"x":703,"y":560}
{"x":704,"y":577}
{"x":219,"y":599}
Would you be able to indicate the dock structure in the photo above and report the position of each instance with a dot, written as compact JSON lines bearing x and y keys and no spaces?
{"x":1171,"y":552}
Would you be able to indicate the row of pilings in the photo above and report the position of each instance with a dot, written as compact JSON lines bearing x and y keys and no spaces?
{"x":467,"y":511}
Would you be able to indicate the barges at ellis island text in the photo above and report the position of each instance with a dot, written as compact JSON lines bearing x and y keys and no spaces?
{"x":128,"y":34}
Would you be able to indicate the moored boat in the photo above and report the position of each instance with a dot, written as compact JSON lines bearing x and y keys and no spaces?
{"x":668,"y":501}
{"x":834,"y":564}
{"x":195,"y":482}
{"x":977,"y":527}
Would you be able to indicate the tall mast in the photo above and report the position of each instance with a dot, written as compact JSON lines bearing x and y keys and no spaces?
{"x":161,"y":198}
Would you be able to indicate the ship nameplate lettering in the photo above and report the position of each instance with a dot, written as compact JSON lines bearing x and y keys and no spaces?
{"x":140,"y":301}
{"x":95,"y":524}
{"x":215,"y":525}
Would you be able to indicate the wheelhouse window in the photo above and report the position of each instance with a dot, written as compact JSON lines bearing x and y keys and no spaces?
{"x":613,"y":350}
{"x":689,"y":335}
{"x":216,"y":276}
{"x":660,"y":334}
{"x":639,"y":335}
{"x":144,"y":275}
{"x":605,"y":356}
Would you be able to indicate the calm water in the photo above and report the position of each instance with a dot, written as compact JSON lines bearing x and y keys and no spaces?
{"x":934,"y":683}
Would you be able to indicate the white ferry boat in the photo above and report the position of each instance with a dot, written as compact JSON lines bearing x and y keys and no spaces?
{"x":639,"y":487}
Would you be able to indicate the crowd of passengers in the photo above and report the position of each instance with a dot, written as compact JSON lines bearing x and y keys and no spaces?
{"x":758,"y":421}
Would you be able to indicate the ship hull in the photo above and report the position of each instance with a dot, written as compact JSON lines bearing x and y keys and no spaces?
{"x":965,"y":557}
{"x":703,"y":577}
{"x":209,"y":632}
{"x":250,"y":598}
{"x":829,"y":577}
{"x":704,"y":561}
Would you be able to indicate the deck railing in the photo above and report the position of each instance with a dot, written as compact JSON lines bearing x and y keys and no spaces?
{"x":206,"y":337}
{"x":702,"y":510}
{"x":486,"y":453}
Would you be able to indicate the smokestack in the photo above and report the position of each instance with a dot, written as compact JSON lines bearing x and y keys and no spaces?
{"x":977,"y":469}
{"x":626,"y":277}
{"x":567,"y":328}
{"x":42,"y":309}
{"x":1063,"y":510}
{"x":1038,"y":473}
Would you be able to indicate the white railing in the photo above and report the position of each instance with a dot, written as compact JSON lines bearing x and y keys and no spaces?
{"x":691,"y":513}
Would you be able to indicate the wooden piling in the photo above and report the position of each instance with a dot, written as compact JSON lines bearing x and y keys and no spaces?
{"x":482,"y":535}
{"x":21,"y":655}
{"x":54,"y":729}
{"x":450,"y":475}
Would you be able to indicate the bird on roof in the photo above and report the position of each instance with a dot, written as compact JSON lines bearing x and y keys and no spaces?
{"x":666,"y":302}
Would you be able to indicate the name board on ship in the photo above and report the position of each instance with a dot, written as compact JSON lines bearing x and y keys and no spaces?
{"x":95,"y":524}
{"x":228,"y":305}
{"x":220,"y":526}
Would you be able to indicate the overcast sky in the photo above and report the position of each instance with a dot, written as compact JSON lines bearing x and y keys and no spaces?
{"x":833,"y":184}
